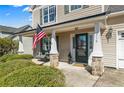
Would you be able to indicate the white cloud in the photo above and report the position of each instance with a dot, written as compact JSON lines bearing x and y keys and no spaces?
{"x":17,"y":5}
{"x":25,"y":9}
{"x":7,"y":14}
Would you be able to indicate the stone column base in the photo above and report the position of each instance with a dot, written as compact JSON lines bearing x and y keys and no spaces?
{"x":54,"y":60}
{"x":97,"y":66}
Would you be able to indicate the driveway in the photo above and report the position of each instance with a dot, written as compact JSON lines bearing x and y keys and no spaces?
{"x":76,"y":76}
{"x":111,"y":78}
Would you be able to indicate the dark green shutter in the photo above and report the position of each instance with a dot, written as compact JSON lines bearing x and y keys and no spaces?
{"x":66,"y":9}
{"x":41,"y":17}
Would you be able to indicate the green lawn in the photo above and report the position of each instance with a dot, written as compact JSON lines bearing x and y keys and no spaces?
{"x":16,"y":71}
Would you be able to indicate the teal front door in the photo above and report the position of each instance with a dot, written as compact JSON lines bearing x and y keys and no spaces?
{"x":82,"y":48}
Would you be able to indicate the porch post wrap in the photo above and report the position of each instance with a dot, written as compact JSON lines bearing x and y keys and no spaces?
{"x":20,"y":48}
{"x":97,"y":44}
{"x":53,"y":44}
{"x":54,"y":62}
{"x":97,"y":64}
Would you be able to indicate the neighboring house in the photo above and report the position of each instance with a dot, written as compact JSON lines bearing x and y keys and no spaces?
{"x":75,"y":27}
{"x":6,"y":31}
{"x":25,"y":42}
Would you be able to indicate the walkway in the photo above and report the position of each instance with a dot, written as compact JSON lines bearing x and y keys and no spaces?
{"x":76,"y":76}
{"x":111,"y":78}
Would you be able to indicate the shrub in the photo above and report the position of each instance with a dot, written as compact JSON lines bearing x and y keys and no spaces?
{"x":10,"y":66}
{"x":34,"y":76}
{"x":9,"y":57}
{"x":7,"y":46}
{"x":16,"y":56}
{"x":4,"y":58}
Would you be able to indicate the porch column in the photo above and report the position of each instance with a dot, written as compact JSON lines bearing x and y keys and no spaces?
{"x":54,"y":62}
{"x":20,"y":48}
{"x":97,"y":64}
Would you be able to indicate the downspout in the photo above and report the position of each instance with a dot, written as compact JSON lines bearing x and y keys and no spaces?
{"x":106,"y":17}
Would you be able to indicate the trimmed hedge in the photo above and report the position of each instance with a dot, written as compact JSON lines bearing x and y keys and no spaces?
{"x":34,"y":76}
{"x":10,"y":66}
{"x":15,"y":56}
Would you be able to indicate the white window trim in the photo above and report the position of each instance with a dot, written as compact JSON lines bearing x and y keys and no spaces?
{"x":47,"y":6}
{"x":117,"y":31}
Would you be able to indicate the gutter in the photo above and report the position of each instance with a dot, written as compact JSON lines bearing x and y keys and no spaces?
{"x":116,"y":14}
{"x":70,"y":21}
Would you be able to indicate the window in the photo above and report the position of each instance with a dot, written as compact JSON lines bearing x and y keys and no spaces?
{"x":52,"y":13}
{"x":45,"y":12}
{"x":73,"y":7}
{"x":69,"y":8}
{"x":49,"y":14}
{"x":74,"y":42}
{"x":66,"y":9}
{"x":122,"y":35}
{"x":91,"y":37}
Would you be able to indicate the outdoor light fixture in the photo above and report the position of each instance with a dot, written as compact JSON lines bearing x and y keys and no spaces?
{"x":109,"y":33}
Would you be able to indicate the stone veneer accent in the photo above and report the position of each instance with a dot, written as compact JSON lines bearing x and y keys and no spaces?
{"x":54,"y":60}
{"x":97,"y":66}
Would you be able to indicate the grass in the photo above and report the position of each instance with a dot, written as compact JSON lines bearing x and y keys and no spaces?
{"x":13,"y":65}
{"x":34,"y":76}
{"x":9,"y":57}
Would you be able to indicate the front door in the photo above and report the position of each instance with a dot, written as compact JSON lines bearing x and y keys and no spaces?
{"x":82,"y":48}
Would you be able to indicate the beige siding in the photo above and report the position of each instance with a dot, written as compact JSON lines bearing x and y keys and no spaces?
{"x":64,"y":46}
{"x":91,"y":10}
{"x":36,"y":18}
{"x":109,"y":47}
{"x":61,"y":17}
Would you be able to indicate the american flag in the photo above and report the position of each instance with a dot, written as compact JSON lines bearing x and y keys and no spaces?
{"x":38,"y":36}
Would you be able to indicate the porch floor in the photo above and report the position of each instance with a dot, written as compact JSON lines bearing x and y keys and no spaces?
{"x":76,"y":76}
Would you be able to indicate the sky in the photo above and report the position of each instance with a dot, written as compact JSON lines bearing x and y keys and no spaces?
{"x":15,"y":15}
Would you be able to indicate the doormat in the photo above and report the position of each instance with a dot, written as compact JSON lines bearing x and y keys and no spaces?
{"x":79,"y":64}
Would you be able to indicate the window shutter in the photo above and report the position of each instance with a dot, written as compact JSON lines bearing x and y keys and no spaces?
{"x":85,"y":6}
{"x":66,"y":9}
{"x":41,"y":17}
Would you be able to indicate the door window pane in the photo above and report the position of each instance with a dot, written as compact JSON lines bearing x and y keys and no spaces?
{"x":81,"y":45}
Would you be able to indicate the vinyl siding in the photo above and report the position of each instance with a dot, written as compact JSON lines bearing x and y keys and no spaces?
{"x":64,"y":46}
{"x":36,"y":18}
{"x":109,"y":48}
{"x":61,"y":16}
{"x":91,"y":10}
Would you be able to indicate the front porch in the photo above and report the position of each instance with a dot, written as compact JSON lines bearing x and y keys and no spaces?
{"x":79,"y":43}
